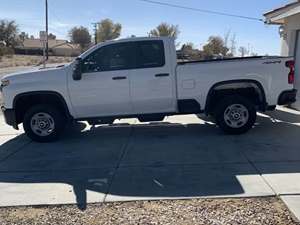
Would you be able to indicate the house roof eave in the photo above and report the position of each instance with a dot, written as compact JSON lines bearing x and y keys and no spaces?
{"x":277,"y":16}
{"x":285,"y":7}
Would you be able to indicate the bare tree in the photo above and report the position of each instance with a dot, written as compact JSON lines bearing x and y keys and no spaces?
{"x":188,"y":46}
{"x":165,"y":30}
{"x":23,"y":36}
{"x":108,"y":30}
{"x":243,"y":51}
{"x":226,"y":38}
{"x":215,"y":47}
{"x":233,"y":45}
{"x":81,"y":36}
{"x":230,"y":43}
{"x":190,"y":52}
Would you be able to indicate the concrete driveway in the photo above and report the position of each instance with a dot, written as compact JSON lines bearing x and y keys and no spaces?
{"x":182,"y":157}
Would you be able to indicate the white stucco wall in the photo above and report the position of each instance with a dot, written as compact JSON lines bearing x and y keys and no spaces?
{"x":288,"y":46}
{"x":292,"y":24}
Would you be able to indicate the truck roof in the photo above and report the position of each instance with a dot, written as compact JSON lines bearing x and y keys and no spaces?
{"x":131,"y":39}
{"x":138,"y":39}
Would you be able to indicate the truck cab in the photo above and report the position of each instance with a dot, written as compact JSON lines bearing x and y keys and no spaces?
{"x":129,"y":77}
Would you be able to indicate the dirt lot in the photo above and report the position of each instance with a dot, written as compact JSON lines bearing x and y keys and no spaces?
{"x":259,"y":211}
{"x":29,"y":60}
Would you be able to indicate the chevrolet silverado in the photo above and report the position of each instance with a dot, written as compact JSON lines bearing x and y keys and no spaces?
{"x":141,"y":78}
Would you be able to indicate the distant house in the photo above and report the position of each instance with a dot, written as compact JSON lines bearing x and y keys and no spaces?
{"x":287,"y":18}
{"x":56,"y":48}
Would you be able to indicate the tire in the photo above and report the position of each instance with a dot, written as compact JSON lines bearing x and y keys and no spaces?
{"x":44,"y":123}
{"x":235,"y":115}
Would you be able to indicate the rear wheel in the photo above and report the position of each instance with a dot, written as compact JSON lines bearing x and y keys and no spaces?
{"x":43,"y":123}
{"x":235,"y":115}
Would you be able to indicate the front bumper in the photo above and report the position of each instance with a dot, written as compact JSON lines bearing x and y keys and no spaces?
{"x":10,"y":117}
{"x":287,"y":97}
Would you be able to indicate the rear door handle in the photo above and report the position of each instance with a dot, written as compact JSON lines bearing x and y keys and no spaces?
{"x":119,"y":78}
{"x":162,"y":75}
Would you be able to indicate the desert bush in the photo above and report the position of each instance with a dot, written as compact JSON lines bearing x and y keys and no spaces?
{"x":1,"y":54}
{"x":6,"y":51}
{"x":9,"y":52}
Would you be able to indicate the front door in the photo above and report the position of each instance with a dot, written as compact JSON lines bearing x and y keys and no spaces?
{"x":104,"y":87}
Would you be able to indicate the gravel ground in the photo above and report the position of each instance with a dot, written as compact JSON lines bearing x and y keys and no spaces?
{"x":253,"y":211}
{"x":30,"y":60}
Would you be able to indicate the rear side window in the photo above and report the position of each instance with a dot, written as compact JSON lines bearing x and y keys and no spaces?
{"x":112,"y":57}
{"x":150,"y":54}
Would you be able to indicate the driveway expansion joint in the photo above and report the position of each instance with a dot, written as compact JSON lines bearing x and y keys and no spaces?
{"x":123,"y":153}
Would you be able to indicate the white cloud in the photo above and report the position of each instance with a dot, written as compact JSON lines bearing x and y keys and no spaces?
{"x":57,"y":24}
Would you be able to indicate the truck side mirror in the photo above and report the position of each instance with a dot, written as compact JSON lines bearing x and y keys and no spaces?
{"x":77,"y":72}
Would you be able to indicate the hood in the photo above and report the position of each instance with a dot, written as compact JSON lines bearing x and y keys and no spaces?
{"x":33,"y":73}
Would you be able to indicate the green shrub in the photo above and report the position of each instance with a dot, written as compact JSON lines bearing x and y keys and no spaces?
{"x":5,"y":51}
{"x":9,"y":51}
{"x":1,"y":53}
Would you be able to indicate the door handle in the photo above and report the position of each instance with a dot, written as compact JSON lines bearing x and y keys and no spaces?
{"x":162,"y":75}
{"x":119,"y":78}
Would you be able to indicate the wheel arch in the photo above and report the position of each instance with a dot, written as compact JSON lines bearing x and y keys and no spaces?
{"x":29,"y":99}
{"x":236,"y":86}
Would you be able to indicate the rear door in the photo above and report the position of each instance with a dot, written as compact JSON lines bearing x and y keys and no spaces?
{"x":152,"y":83}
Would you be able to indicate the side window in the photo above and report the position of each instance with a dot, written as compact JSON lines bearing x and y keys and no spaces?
{"x":151,"y":54}
{"x":110,"y":58}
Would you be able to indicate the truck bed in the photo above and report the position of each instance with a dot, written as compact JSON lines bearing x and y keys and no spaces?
{"x":195,"y":78}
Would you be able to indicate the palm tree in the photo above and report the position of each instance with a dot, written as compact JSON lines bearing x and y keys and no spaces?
{"x":165,"y":30}
{"x":108,"y":30}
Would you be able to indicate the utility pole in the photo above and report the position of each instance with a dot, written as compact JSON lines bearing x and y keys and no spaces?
{"x":95,"y":31}
{"x":47,"y":46}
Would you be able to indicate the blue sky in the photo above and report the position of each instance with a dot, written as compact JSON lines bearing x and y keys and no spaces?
{"x":138,"y":18}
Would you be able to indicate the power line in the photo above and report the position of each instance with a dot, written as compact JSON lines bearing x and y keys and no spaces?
{"x":201,"y":10}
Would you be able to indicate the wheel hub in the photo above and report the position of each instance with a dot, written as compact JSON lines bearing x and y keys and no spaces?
{"x":42,"y":124}
{"x":236,"y":115}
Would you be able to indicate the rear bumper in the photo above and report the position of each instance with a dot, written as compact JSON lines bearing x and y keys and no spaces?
{"x":10,"y":117}
{"x":287,"y":97}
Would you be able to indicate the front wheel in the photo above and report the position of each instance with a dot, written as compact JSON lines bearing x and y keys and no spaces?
{"x":43,"y":123}
{"x":235,"y":115}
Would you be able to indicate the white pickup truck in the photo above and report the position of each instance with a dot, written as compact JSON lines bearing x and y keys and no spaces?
{"x":141,"y":78}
